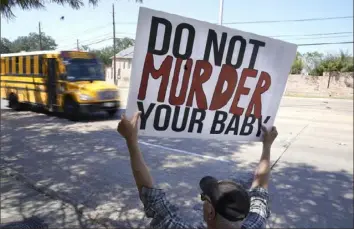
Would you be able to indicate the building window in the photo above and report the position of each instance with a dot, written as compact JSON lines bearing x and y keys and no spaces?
{"x":129,"y":64}
{"x":124,"y":64}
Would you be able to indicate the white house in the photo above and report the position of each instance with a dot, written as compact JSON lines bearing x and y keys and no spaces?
{"x":123,"y":69}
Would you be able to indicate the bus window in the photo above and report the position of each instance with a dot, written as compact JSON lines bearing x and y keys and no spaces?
{"x":84,"y":69}
{"x":31,"y":64}
{"x":40,"y":65}
{"x":17,"y":67}
{"x":24,"y":65}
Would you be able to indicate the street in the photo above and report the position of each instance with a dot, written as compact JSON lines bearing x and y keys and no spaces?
{"x":87,"y":164}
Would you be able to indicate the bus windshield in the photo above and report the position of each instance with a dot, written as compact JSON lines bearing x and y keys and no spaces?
{"x":84,"y":69}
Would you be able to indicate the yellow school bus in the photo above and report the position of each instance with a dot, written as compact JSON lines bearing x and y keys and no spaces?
{"x":71,"y":82}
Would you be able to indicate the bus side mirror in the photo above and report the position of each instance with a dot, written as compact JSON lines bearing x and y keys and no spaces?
{"x":63,"y":76}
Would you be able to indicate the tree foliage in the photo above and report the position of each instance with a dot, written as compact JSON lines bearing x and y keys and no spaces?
{"x":106,"y":53}
{"x":298,"y":64}
{"x":7,"y":6}
{"x":312,"y":61}
{"x":342,"y":62}
{"x":5,"y":45}
{"x":27,"y":43}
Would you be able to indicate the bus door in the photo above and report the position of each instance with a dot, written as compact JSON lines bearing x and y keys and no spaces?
{"x":52,"y":83}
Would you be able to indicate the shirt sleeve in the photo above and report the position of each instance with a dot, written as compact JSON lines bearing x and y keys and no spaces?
{"x":160,"y":210}
{"x":259,"y":211}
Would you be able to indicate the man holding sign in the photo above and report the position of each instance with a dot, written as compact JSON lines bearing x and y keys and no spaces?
{"x":192,"y":79}
{"x":227,"y":205}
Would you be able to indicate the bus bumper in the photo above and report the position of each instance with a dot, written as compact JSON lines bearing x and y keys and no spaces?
{"x":101,"y":106}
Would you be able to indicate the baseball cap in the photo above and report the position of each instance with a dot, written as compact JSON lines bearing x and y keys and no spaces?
{"x":229,"y":199}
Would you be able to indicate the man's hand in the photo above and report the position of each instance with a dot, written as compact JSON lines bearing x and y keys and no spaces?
{"x":269,"y":136}
{"x":129,"y":128}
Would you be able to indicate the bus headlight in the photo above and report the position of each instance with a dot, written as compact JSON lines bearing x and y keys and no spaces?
{"x":85,"y":97}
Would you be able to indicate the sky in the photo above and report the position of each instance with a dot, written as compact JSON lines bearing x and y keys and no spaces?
{"x":90,"y":25}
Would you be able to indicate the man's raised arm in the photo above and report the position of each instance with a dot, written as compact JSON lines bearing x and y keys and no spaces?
{"x":261,"y":178}
{"x":129,"y":130}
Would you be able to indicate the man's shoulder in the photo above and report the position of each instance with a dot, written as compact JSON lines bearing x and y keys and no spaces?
{"x":163,"y":213}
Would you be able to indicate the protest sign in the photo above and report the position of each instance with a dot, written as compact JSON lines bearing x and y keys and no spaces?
{"x":193,"y":79}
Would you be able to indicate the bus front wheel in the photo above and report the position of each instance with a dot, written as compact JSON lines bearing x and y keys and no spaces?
{"x":111,"y":113}
{"x":71,"y":109}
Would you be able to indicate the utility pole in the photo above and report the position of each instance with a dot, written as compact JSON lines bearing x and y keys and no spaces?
{"x":221,"y":9}
{"x":114,"y":47}
{"x":40,"y":36}
{"x":77,"y":44}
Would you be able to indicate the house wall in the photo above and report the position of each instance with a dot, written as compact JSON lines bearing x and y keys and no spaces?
{"x":123,"y":69}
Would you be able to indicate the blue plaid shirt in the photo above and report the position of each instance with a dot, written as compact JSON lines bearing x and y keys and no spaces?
{"x":165,"y":215}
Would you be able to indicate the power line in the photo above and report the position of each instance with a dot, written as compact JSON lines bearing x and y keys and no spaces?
{"x":96,"y":38}
{"x":85,"y":31}
{"x":329,"y":43}
{"x":291,"y":20}
{"x":312,"y":34}
{"x":271,"y":21}
{"x":92,"y":39}
{"x":314,"y":38}
{"x":97,"y":42}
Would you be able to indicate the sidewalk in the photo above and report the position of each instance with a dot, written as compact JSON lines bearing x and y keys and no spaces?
{"x":19,"y":200}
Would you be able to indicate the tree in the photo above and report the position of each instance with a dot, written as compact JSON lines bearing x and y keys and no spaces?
{"x":31,"y":43}
{"x":123,"y":43}
{"x":27,"y":43}
{"x":7,"y":5}
{"x":312,"y":61}
{"x":298,"y":64}
{"x":106,"y":53}
{"x":341,"y":62}
{"x":5,"y":45}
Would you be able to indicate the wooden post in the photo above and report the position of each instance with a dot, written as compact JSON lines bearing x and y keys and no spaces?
{"x":114,"y":47}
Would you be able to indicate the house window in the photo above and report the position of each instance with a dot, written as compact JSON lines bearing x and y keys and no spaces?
{"x":129,"y":64}
{"x":123,"y":64}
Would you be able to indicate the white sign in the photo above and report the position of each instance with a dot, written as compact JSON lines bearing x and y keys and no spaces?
{"x":193,"y":79}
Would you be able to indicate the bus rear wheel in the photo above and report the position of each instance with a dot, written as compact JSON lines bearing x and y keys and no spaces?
{"x":71,"y":110}
{"x":14,"y":103}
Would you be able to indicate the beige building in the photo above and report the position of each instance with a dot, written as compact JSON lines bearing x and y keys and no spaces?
{"x":123,"y":69}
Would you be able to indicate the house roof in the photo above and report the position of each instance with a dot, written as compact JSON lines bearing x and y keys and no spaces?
{"x":127,"y":53}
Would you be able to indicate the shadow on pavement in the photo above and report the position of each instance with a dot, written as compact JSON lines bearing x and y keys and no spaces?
{"x":21,"y":202}
{"x":91,"y":166}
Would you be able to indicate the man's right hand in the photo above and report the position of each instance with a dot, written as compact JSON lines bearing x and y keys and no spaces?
{"x":129,"y":128}
{"x":269,"y":136}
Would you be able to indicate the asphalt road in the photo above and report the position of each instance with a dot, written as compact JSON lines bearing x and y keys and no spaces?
{"x":87,"y":163}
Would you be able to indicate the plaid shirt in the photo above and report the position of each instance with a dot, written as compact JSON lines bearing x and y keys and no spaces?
{"x":164,"y":215}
